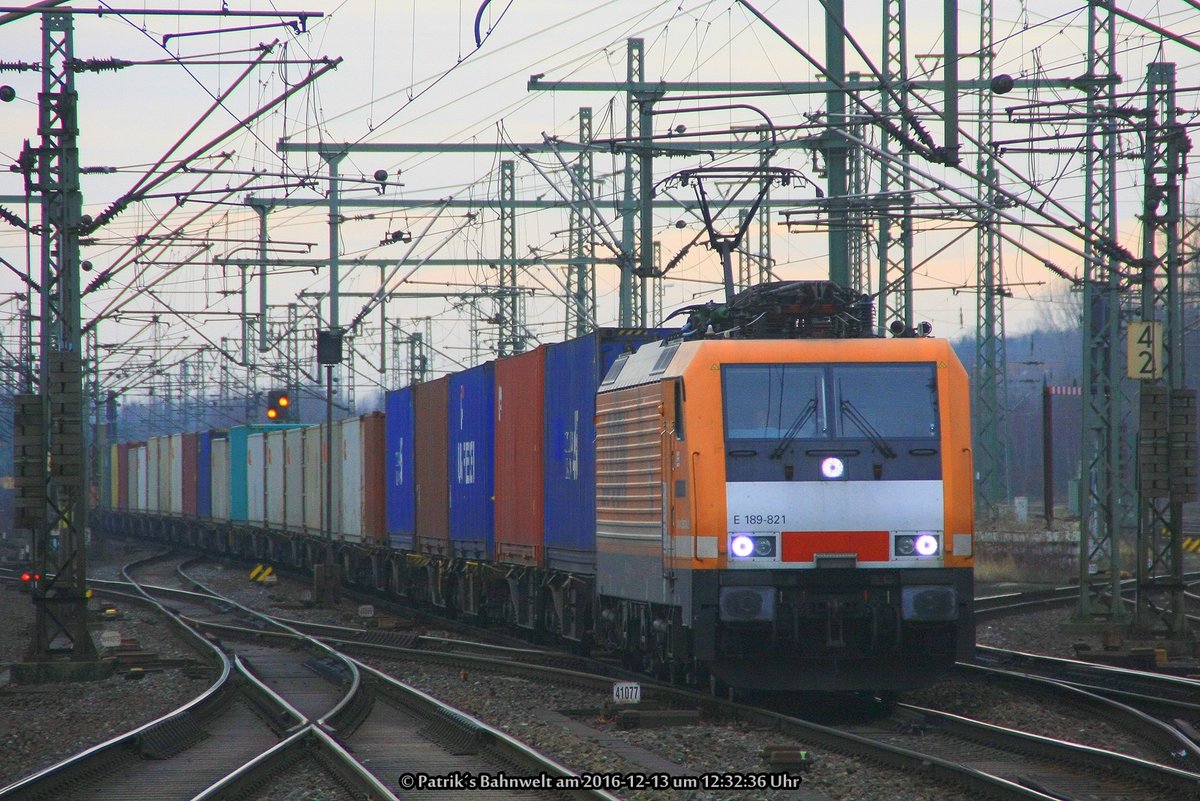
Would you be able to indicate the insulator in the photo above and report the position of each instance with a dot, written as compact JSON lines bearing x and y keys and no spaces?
{"x":99,"y":64}
{"x":18,"y":66}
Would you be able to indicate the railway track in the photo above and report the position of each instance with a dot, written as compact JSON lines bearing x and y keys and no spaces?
{"x":1047,"y":766}
{"x":1168,"y":698}
{"x":987,"y":606}
{"x":987,"y":760}
{"x":177,"y":755}
{"x":293,"y":700}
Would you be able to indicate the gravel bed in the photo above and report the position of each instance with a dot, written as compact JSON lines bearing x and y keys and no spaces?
{"x":1036,"y":714}
{"x":721,"y":747}
{"x":115,"y":555}
{"x":148,"y":627}
{"x":304,"y":781}
{"x":42,"y":724}
{"x":1040,"y":632}
{"x":287,"y":598}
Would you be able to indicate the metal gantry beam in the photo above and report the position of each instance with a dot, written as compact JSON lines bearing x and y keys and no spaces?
{"x":989,"y":380}
{"x":1100,"y":490}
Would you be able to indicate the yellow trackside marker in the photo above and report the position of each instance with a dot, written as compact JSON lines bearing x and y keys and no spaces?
{"x":254,"y":573}
{"x":1191,"y":544}
{"x":263,"y":576}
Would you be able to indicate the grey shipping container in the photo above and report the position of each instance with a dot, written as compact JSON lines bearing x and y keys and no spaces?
{"x":220,"y":478}
{"x":293,"y":478}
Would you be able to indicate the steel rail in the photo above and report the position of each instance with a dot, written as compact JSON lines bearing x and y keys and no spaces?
{"x":1166,"y":736}
{"x":86,"y":761}
{"x":1084,"y":758}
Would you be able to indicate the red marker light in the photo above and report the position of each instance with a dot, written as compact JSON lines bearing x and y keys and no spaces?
{"x":26,"y":576}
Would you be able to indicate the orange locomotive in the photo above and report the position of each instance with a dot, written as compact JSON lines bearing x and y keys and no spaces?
{"x":787,"y":513}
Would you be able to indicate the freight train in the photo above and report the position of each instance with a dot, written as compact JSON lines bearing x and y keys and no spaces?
{"x":767,"y":498}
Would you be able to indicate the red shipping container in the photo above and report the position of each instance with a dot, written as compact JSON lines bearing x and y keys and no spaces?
{"x":518,"y":455}
{"x":191,"y":453}
{"x":374,"y":447}
{"x":432,"y":463}
{"x":122,"y":467}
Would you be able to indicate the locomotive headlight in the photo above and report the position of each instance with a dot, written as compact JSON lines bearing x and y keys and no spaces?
{"x":741,"y":546}
{"x":927,"y":544}
{"x":745,"y":546}
{"x":832,"y":467}
{"x":920,"y":544}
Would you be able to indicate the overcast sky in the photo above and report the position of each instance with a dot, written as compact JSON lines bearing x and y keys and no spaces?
{"x":411,"y":72}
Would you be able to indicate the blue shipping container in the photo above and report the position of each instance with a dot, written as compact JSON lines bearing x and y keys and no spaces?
{"x":472,"y":479}
{"x":574,"y":370}
{"x":400,"y":469}
{"x":239,"y":437}
{"x":204,"y":474}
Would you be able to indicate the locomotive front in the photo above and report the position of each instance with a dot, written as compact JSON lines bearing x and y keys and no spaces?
{"x":816,"y":514}
{"x":847,"y":513}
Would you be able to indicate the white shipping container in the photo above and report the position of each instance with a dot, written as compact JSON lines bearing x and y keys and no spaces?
{"x":164,"y":475}
{"x":137,"y":498}
{"x":336,"y":500}
{"x":256,"y":513}
{"x":175,"y":454}
{"x":352,"y":488}
{"x":220,"y":478}
{"x":314,"y":478}
{"x":293,"y":478}
{"x":275,"y":466}
{"x":152,"y":474}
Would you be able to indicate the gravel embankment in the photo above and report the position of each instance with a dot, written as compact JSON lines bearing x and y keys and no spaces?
{"x":504,"y":702}
{"x":1041,"y":632}
{"x":515,"y":705}
{"x":42,"y":724}
{"x":1036,"y":714}
{"x":304,"y":781}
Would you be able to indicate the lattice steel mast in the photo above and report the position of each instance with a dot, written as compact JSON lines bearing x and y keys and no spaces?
{"x":1166,"y":447}
{"x":989,"y":381}
{"x":895,"y":263}
{"x":60,"y":600}
{"x":1100,"y":513}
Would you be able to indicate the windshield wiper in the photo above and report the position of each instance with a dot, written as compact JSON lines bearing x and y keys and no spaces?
{"x":801,"y":420}
{"x":851,"y":412}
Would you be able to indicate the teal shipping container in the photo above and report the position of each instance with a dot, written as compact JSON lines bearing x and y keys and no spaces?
{"x":239,"y":440}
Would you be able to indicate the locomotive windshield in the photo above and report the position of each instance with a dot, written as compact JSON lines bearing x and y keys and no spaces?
{"x":766,"y":401}
{"x":840,"y":401}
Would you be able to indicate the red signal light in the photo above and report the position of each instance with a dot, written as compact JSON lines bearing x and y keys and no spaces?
{"x":26,"y":576}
